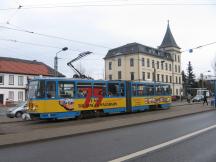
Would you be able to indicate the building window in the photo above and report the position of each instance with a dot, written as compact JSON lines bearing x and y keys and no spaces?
{"x":179,"y":80}
{"x":20,"y":95}
{"x":170,"y":79}
{"x":119,"y":62}
{"x":153,"y":76}
{"x":175,"y":57}
{"x":158,"y":77}
{"x":179,"y":68}
{"x":162,"y":67}
{"x":176,"y":79}
{"x":175,"y":68}
{"x":119,"y":75}
{"x":110,"y":65}
{"x":20,"y":80}
{"x":153,"y":64}
{"x":11,"y":95}
{"x":158,"y":64}
{"x":132,"y":75}
{"x":166,"y":78}
{"x":11,"y":79}
{"x":148,"y":63}
{"x":1,"y":79}
{"x":162,"y":78}
{"x":110,"y":77}
{"x":170,"y":67}
{"x":131,"y":62}
{"x":178,"y":58}
{"x":166,"y":66}
{"x":148,"y":75}
{"x":143,"y":75}
{"x":176,"y":91}
{"x":143,"y":62}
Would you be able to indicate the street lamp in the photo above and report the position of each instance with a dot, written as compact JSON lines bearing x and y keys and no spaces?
{"x":56,"y":60}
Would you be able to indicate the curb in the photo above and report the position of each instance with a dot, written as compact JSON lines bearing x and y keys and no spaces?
{"x":95,"y":131}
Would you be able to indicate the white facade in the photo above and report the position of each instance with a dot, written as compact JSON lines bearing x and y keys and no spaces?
{"x":169,"y":73}
{"x":13,"y":87}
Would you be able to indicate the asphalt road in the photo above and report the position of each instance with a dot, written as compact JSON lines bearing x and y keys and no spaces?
{"x":197,"y":149}
{"x":109,"y":145}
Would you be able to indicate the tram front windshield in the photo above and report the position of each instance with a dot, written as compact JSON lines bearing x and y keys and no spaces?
{"x":37,"y":89}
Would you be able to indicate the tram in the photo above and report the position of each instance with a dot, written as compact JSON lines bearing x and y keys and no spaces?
{"x":60,"y":98}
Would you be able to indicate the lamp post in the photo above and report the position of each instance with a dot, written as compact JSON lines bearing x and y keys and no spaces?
{"x":56,"y":60}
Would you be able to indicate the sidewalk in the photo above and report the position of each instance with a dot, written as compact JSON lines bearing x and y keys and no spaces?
{"x":101,"y":124}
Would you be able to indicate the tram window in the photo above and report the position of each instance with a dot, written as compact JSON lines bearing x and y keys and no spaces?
{"x":99,"y":89}
{"x":167,"y":90}
{"x":84,"y":90}
{"x":134,"y":90}
{"x":65,"y":89}
{"x":140,"y":90}
{"x":163,"y":88}
{"x":36,"y":89}
{"x":41,"y":89}
{"x":113,"y":89}
{"x":51,"y":89}
{"x":122,"y":90}
{"x":150,"y":90}
{"x":158,"y":90}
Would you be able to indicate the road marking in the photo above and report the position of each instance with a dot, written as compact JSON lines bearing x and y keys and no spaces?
{"x":145,"y":151}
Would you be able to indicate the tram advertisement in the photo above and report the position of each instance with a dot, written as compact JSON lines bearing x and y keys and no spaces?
{"x":87,"y":101}
{"x":138,"y":101}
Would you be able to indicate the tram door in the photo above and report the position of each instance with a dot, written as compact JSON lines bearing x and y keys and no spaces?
{"x":128,"y":96}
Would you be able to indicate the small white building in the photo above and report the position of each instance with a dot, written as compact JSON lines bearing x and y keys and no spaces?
{"x":14,"y":76}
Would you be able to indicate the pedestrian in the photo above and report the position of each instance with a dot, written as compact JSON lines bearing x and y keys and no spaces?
{"x":205,"y":99}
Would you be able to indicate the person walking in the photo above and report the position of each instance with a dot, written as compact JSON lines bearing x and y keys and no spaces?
{"x":205,"y":99}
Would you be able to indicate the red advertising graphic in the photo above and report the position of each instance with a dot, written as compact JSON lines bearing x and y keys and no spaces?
{"x":96,"y":98}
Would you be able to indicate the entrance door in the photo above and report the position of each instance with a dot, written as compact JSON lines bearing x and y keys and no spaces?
{"x":1,"y":98}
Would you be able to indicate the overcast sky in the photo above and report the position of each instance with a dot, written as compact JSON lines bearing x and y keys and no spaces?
{"x":97,"y":26}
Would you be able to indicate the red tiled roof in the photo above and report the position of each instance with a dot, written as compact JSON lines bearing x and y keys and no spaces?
{"x":19,"y":66}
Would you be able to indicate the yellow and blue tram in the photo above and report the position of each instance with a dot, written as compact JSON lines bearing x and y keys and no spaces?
{"x":59,"y":98}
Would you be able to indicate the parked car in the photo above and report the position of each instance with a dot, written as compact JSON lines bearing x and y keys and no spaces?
{"x":198,"y":98}
{"x":18,"y":110}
